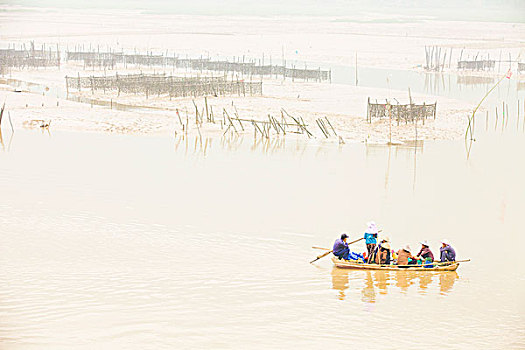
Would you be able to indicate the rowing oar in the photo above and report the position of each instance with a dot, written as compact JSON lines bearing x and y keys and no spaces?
{"x":449,"y":262}
{"x":328,"y":252}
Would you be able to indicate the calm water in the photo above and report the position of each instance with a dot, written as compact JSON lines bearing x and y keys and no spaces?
{"x":146,"y":243}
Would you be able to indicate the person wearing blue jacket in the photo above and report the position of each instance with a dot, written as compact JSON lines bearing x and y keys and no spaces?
{"x":371,"y":238}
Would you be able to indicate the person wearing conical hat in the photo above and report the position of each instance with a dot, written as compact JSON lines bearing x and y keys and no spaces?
{"x":425,"y":253}
{"x":382,"y":252}
{"x":447,"y":252}
{"x":404,"y":256}
{"x":371,"y":238}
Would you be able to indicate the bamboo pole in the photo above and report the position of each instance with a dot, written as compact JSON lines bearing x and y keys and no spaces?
{"x":300,"y":125}
{"x":276,"y":122}
{"x":257,"y":126}
{"x":2,"y":114}
{"x":503,"y":117}
{"x":507,"y":107}
{"x":10,"y":123}
{"x":272,"y":122}
{"x":303,"y":125}
{"x":356,"y":80}
{"x":518,"y":116}
{"x":206,"y":104}
{"x":320,"y":127}
{"x":238,"y":119}
{"x":328,"y":121}
{"x":283,"y":122}
{"x":496,"y":124}
{"x":178,"y":115}
{"x":389,"y":107}
{"x":261,"y":121}
{"x":324,"y":126}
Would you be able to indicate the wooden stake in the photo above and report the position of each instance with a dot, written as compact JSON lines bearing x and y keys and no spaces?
{"x":507,"y":107}
{"x":356,"y":80}
{"x":178,"y":115}
{"x":518,"y":116}
{"x":331,"y":126}
{"x":206,"y":104}
{"x":320,"y":127}
{"x":496,"y":124}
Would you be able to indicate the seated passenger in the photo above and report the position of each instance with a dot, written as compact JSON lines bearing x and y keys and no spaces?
{"x":382,"y":252}
{"x":447,"y":252}
{"x":425,"y":253}
{"x":404,"y":257}
{"x":342,"y":251}
{"x":340,"y":248}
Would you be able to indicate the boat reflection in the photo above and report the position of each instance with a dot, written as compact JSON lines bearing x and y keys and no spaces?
{"x":379,"y":282}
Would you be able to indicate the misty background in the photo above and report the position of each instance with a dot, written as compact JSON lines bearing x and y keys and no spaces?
{"x":355,"y":10}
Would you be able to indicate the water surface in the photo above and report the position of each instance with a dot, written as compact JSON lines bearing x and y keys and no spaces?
{"x":153,"y":242}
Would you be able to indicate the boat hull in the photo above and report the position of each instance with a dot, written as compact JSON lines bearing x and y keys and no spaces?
{"x":345,"y":264}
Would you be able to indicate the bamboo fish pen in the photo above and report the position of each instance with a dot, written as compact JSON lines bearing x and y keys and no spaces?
{"x":401,"y":112}
{"x":29,"y":58}
{"x":160,"y":84}
{"x":109,"y":60}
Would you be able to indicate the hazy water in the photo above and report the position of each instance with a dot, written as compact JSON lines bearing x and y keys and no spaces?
{"x":145,"y":243}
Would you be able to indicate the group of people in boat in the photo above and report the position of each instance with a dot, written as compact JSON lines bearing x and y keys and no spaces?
{"x":382,"y":253}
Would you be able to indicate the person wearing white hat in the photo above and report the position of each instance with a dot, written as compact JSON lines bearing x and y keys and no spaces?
{"x":425,"y":252}
{"x":447,"y":252}
{"x":371,"y":238}
{"x":404,"y":256}
{"x":382,"y":253}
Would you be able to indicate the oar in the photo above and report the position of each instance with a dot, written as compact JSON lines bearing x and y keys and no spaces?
{"x":452,"y":262}
{"x":328,"y":252}
{"x":445,"y":262}
{"x":321,"y":256}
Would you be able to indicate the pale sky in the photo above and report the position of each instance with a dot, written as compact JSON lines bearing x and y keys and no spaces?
{"x":486,"y":10}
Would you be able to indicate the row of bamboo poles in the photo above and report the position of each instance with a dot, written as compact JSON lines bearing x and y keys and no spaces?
{"x":438,"y":58}
{"x":233,"y":122}
{"x":31,"y":57}
{"x":245,"y":67}
{"x":502,"y":116}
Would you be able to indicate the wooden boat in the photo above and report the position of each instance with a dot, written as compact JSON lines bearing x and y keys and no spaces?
{"x":347,"y":264}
